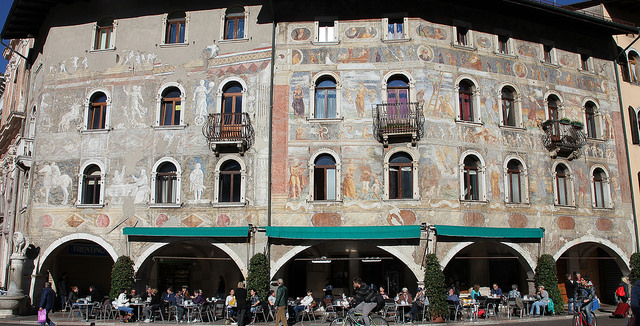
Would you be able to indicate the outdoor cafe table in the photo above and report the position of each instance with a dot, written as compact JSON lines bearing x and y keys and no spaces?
{"x":189,"y":310}
{"x":528,"y":301}
{"x":138,"y":304}
{"x":85,"y":305}
{"x":471,"y":308}
{"x":495,"y":301}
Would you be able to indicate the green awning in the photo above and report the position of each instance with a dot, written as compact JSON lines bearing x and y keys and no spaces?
{"x":301,"y":233}
{"x":142,"y":233}
{"x":457,"y":232}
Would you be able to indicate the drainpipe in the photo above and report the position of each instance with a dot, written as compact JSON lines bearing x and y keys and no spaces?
{"x":626,"y":147}
{"x":269,"y":169}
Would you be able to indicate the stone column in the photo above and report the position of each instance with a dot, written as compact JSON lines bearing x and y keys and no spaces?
{"x":15,"y":297}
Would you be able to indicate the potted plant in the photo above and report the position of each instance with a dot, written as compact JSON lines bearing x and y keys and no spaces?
{"x":547,"y":276}
{"x":576,"y":124}
{"x":258,"y":276}
{"x":435,"y":288}
{"x":122,"y":276}
{"x":565,"y":121}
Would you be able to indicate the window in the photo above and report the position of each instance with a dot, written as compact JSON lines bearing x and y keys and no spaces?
{"x":398,"y":97}
{"x":91,"y":182}
{"x":553,"y":107}
{"x":584,"y":62}
{"x":234,"y":23}
{"x":598,"y":188}
{"x":591,"y":120}
{"x":232,"y":104}
{"x":395,"y":28}
{"x":166,"y":183}
{"x":508,"y":106}
{"x":548,"y":54}
{"x":171,"y":107}
{"x":97,"y":111}
{"x":176,"y":28}
{"x":633,"y":121}
{"x":325,"y":101}
{"x":624,"y":65}
{"x":462,"y":36}
{"x":465,"y":99}
{"x":634,"y":66}
{"x":230,"y":182}
{"x":326,"y":31}
{"x":563,"y":185}
{"x":104,"y":35}
{"x":400,"y":176}
{"x":325,"y":181}
{"x":514,"y":177}
{"x":503,"y":44}
{"x":471,"y":178}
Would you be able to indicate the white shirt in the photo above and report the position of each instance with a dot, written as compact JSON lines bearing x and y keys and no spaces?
{"x":229,"y":298}
{"x":306,"y":301}
{"x":122,"y":301}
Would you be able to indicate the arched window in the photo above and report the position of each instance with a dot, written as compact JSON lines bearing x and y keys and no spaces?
{"x":514,"y":177}
{"x":91,"y":182}
{"x":170,"y":107}
{"x":398,"y":97}
{"x":325,"y":101}
{"x":325,"y":182}
{"x":465,"y":100}
{"x":634,"y":66}
{"x":176,"y":27}
{"x":400,"y":176}
{"x":230,"y":182}
{"x":633,"y":122}
{"x":601,"y":196}
{"x":471,"y":178}
{"x":104,"y":34}
{"x":232,"y":110}
{"x":508,"y":106}
{"x":591,"y":120}
{"x":563,"y":186}
{"x":553,"y":107}
{"x":166,"y":179}
{"x":234,"y":23}
{"x":97,"y":111}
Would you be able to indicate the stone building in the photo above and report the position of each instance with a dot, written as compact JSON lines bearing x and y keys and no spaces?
{"x":341,"y":139}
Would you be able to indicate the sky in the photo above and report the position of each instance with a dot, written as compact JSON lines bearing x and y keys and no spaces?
{"x":5,"y":5}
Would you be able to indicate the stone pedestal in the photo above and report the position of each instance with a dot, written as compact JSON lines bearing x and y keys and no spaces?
{"x":9,"y":303}
{"x":14,"y":298}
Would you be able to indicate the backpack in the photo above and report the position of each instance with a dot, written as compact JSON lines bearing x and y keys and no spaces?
{"x":379,"y":300}
{"x":620,"y":291}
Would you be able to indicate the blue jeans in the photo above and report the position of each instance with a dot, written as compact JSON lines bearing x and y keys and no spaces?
{"x":571,"y":304}
{"x":587,"y":310}
{"x":537,"y":305}
{"x":126,"y":309}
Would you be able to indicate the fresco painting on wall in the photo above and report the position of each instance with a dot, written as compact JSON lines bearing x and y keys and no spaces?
{"x":431,"y":32}
{"x":200,"y":101}
{"x":361,"y":32}
{"x":300,"y":34}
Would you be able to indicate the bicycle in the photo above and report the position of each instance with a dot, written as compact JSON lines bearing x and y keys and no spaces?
{"x":580,"y":319}
{"x":355,"y":319}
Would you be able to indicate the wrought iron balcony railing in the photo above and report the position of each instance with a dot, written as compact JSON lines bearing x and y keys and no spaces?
{"x":398,"y":120}
{"x":563,"y":138}
{"x":228,"y":130}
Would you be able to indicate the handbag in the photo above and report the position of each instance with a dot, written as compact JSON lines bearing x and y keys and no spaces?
{"x":42,"y":316}
{"x":596,"y":304}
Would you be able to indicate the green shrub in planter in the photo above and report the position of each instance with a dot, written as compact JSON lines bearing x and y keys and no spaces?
{"x":634,"y":262}
{"x":258,"y":277}
{"x":547,"y":276}
{"x":122,"y":276}
{"x":435,"y":287}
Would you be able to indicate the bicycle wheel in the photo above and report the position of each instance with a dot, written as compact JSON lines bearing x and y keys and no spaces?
{"x":594,"y":322}
{"x":576,"y":320}
{"x":337,"y":321}
{"x":379,"y":321}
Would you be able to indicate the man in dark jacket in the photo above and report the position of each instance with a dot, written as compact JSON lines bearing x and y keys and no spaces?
{"x":635,"y":301}
{"x":47,"y":301}
{"x":570,"y":288}
{"x":364,"y":299}
{"x":281,"y":303}
{"x":241,"y":302}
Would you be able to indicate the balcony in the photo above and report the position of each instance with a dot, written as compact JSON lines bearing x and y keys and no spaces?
{"x":228,"y":131}
{"x":398,"y":121}
{"x":24,"y":151}
{"x":563,"y":138}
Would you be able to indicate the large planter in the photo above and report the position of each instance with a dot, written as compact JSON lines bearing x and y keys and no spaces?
{"x":438,"y":319}
{"x":9,"y":303}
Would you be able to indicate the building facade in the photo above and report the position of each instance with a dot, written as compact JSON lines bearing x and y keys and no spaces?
{"x":354,"y":135}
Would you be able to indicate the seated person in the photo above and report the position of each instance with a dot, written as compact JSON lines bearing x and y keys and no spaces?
{"x":231,"y":305}
{"x":453,"y":299}
{"x":154,"y":303}
{"x":542,"y":297}
{"x":419,"y":302}
{"x":198,"y":298}
{"x":272,"y":298}
{"x":383,"y":293}
{"x":179,"y":302}
{"x":305,"y":303}
{"x":496,"y":292}
{"x":515,"y":294}
{"x":404,"y":297}
{"x":122,"y":303}
{"x":255,"y":300}
{"x":475,"y":292}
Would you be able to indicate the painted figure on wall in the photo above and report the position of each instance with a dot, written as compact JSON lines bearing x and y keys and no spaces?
{"x":200,"y":100}
{"x":295,"y":181}
{"x":69,"y":117}
{"x":135,"y":105}
{"x":54,"y":179}
{"x":349,"y":184}
{"x":298,"y":102}
{"x":142,"y":187}
{"x":361,"y":93}
{"x":300,"y":34}
{"x":196,"y":177}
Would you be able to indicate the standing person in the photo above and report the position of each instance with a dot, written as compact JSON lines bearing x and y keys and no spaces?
{"x":281,"y":302}
{"x":47,"y":302}
{"x":635,"y":301}
{"x":624,"y":284}
{"x":577,"y":282}
{"x":364,"y":299}
{"x":570,"y":288}
{"x":62,"y":291}
{"x":328,"y":290}
{"x":241,"y":302}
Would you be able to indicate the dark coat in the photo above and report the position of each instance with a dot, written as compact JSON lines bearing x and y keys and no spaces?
{"x":241,"y":298}
{"x":570,"y":286}
{"x":363,"y":294}
{"x":281,"y":296}
{"x":48,"y":299}
{"x":635,"y":296}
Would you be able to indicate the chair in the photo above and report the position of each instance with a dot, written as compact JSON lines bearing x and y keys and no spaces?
{"x":512,"y":305}
{"x":329,"y":311}
{"x":549,"y":308}
{"x":157,"y":311}
{"x":195,"y":313}
{"x":258,"y":311}
{"x":454,"y":308}
{"x":390,"y":310}
{"x":308,"y":311}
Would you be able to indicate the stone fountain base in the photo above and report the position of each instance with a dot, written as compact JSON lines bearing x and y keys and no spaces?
{"x":9,"y":303}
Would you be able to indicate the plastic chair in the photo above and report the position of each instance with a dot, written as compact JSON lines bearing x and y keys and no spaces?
{"x":512,"y":305}
{"x":308,"y":311}
{"x":455,"y":308}
{"x":329,"y":311}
